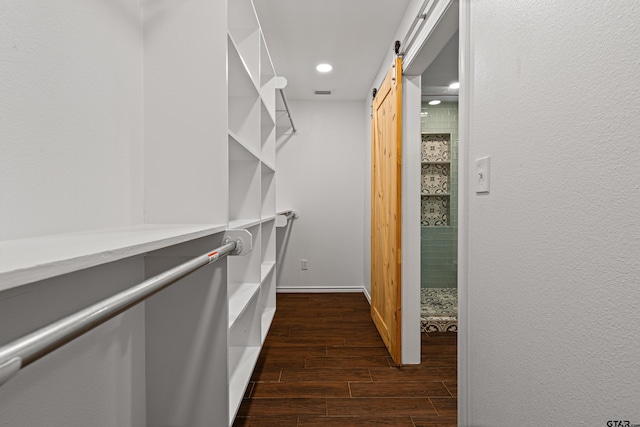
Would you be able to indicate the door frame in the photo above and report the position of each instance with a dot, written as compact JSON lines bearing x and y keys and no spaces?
{"x":414,"y":67}
{"x":411,"y":174}
{"x":464,"y":117}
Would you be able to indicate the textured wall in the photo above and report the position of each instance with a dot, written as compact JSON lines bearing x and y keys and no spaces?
{"x":70,"y":116}
{"x":553,"y":289}
{"x":439,"y":245}
{"x":321,"y":175}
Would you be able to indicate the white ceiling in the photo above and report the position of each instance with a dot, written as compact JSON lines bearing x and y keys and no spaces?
{"x":441,"y":73}
{"x":352,"y":35}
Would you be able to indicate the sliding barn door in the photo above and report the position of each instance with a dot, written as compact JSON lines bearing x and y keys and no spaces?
{"x":386,"y":210}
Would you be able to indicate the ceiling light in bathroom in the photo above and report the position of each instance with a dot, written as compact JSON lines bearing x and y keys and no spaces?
{"x":454,"y":85}
{"x":324,"y":68}
{"x":434,"y":102}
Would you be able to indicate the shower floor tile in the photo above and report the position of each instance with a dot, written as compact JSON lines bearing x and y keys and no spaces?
{"x":439,"y":310}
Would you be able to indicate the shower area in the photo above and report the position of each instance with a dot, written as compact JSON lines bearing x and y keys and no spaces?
{"x":439,"y":192}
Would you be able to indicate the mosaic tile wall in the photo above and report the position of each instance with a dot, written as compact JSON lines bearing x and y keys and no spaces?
{"x":435,"y":179}
{"x":435,"y":186}
{"x":435,"y":147}
{"x":439,"y":245}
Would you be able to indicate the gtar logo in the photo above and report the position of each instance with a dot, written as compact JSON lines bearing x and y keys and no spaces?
{"x":618,"y":423}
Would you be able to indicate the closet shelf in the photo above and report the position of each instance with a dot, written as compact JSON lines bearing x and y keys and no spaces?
{"x":269,"y":165}
{"x":267,"y":318}
{"x":243,"y":223}
{"x":242,"y":66}
{"x":244,"y":360}
{"x":239,"y":300}
{"x":265,"y":270}
{"x":267,"y":218}
{"x":248,"y":223}
{"x":28,"y":260}
{"x":238,"y":140}
{"x":268,"y":114}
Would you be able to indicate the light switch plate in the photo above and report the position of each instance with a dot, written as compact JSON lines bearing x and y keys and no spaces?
{"x":482,"y":175}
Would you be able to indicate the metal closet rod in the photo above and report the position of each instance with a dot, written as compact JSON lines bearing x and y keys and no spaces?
{"x":402,"y":48}
{"x":422,"y":19}
{"x":286,"y":107}
{"x":291,"y":213}
{"x":31,"y":347}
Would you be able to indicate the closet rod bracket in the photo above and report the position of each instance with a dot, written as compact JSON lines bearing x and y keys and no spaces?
{"x":242,"y":238}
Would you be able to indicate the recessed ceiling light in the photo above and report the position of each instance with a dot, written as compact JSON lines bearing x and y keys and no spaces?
{"x":324,"y":68}
{"x":454,"y":85}
{"x":434,"y":102}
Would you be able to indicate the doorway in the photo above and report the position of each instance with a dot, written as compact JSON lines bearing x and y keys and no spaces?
{"x":437,"y":58}
{"x":439,"y":192}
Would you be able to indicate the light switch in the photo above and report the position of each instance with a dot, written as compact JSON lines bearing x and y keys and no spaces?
{"x":482,"y":175}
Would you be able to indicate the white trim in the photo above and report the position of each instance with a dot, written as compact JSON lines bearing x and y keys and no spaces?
{"x":430,"y":34}
{"x":411,"y":100}
{"x":465,"y":69}
{"x":318,"y":289}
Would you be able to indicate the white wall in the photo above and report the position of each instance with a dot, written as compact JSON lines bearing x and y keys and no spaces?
{"x":95,"y":380}
{"x":71,"y":160}
{"x":185,"y":112}
{"x":70,"y":106}
{"x":553,"y":291}
{"x":320,"y":173}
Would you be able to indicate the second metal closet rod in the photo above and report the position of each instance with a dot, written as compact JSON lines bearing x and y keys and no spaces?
{"x":286,"y":107}
{"x":31,"y":347}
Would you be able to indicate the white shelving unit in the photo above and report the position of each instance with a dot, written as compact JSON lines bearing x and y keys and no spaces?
{"x":194,"y":155}
{"x":25,"y":261}
{"x":252,"y":194}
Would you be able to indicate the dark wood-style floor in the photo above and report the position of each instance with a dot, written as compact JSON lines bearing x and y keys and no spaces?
{"x":324,"y":364}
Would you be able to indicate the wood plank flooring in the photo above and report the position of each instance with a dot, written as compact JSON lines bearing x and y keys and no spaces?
{"x":324,"y":364}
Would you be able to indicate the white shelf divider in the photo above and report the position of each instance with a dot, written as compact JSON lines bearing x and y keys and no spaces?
{"x":245,"y":340}
{"x":242,"y":360}
{"x":268,"y":136}
{"x":239,"y":299}
{"x":243,"y":223}
{"x":268,"y":218}
{"x":265,"y":269}
{"x":268,"y":243}
{"x":268,"y":191}
{"x":238,"y":140}
{"x":244,"y":184}
{"x":244,"y":102}
{"x":247,"y":43}
{"x":267,"y":317}
{"x":252,"y":133}
{"x":267,"y":302}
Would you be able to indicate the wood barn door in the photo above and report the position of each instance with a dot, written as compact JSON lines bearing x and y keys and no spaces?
{"x":386,"y":211}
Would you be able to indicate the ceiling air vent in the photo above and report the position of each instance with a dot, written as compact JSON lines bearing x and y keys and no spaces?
{"x":322,"y":92}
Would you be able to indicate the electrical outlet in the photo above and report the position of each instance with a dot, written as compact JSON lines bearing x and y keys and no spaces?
{"x":303,"y":264}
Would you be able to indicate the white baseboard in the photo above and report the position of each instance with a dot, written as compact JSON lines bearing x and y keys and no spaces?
{"x":367,"y":295}
{"x":320,"y":289}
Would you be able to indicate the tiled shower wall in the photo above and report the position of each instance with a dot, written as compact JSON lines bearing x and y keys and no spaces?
{"x":439,"y":254}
